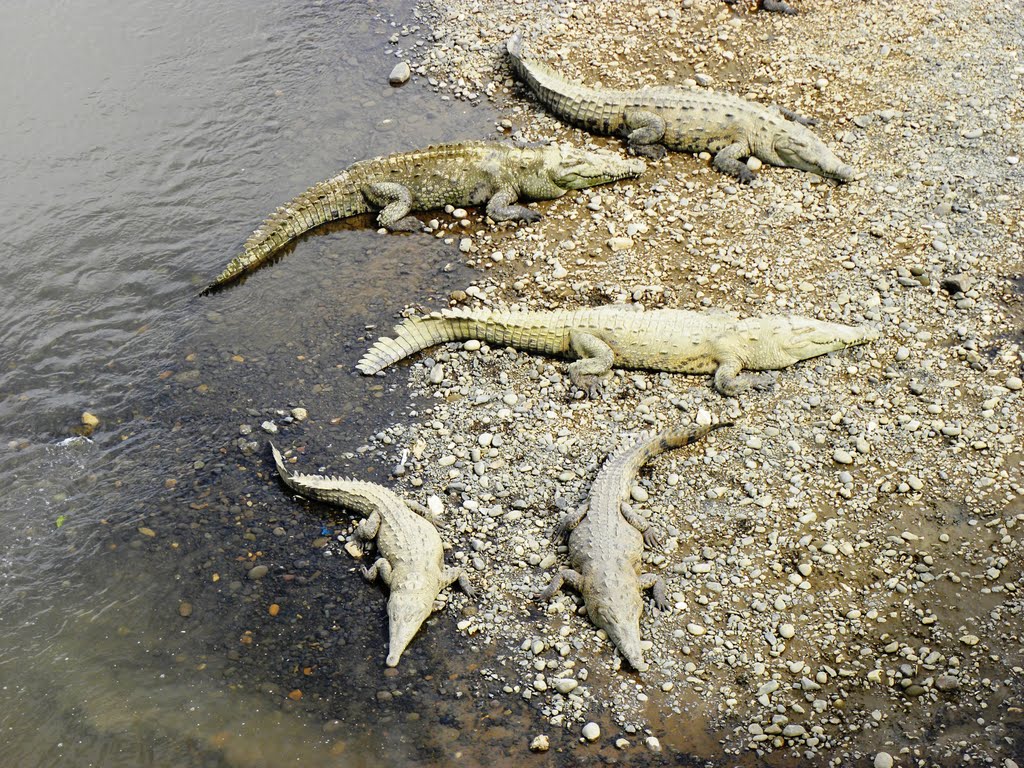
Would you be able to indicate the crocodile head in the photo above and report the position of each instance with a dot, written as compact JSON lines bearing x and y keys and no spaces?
{"x":618,"y":614}
{"x":799,"y":148}
{"x":407,"y":610}
{"x":569,"y":167}
{"x":792,"y":339}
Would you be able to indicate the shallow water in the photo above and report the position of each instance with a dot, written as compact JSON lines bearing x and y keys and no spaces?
{"x":141,"y":143}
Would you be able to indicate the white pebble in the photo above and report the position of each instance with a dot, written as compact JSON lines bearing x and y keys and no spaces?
{"x":883,"y":760}
{"x":591,"y":731}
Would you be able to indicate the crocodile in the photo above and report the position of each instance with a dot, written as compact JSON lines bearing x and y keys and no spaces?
{"x":687,"y":120}
{"x":410,"y":553}
{"x":772,"y":6}
{"x":606,"y":538}
{"x":673,"y":340}
{"x":466,"y":173}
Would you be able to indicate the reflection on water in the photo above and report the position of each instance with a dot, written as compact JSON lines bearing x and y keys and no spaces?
{"x":141,"y":143}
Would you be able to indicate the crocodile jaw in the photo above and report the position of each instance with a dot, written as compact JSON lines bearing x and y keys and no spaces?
{"x":803,"y":150}
{"x":619,"y":616}
{"x":572,"y":168}
{"x":809,"y":338}
{"x":406,"y":614}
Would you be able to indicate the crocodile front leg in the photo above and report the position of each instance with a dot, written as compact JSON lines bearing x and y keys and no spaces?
{"x":794,"y":117}
{"x":652,"y":536}
{"x":568,"y":523}
{"x":728,"y":161}
{"x":380,"y":569}
{"x":646,"y":131}
{"x":595,"y":364}
{"x":395,"y":202}
{"x":656,"y":584}
{"x":565,"y":576}
{"x":452,"y":575}
{"x":730,"y":382}
{"x":501,"y":207}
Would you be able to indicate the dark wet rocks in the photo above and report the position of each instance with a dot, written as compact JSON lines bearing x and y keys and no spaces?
{"x":258,"y":572}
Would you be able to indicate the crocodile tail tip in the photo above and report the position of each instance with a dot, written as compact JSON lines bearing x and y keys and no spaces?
{"x":722,"y":424}
{"x":515,"y":44}
{"x":279,"y":461}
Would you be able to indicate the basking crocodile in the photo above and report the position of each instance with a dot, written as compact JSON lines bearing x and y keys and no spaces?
{"x":411,"y":561}
{"x":687,"y":120}
{"x":673,"y":340}
{"x":468,"y":173}
{"x":606,"y":540}
{"x":772,"y":6}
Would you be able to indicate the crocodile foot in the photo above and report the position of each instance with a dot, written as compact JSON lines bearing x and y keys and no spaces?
{"x":650,"y":151}
{"x":745,"y":175}
{"x":406,"y":224}
{"x":652,"y":538}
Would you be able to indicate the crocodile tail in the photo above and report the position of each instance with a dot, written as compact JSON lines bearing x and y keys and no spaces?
{"x":418,"y":333}
{"x":356,"y":495}
{"x":628,"y":461}
{"x":330,"y":200}
{"x":569,"y":100}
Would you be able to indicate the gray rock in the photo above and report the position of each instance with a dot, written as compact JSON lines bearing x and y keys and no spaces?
{"x":958,"y":283}
{"x":400,"y":74}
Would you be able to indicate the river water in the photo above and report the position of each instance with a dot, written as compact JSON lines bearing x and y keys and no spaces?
{"x":140,"y":143}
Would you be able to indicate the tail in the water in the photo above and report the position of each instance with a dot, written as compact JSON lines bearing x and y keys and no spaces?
{"x":327,"y":201}
{"x":415,"y":334}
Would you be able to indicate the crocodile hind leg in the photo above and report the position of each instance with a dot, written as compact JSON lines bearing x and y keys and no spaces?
{"x":368,"y":527}
{"x":502,"y":207}
{"x":565,"y":576}
{"x":646,"y":131}
{"x":595,"y":364}
{"x":569,"y":522}
{"x":728,"y":161}
{"x":652,"y":536}
{"x":656,"y":584}
{"x":779,"y":6}
{"x":451,"y":575}
{"x":730,"y":382}
{"x":395,"y":202}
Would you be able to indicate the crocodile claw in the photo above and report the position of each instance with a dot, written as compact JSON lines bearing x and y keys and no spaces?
{"x":652,"y":538}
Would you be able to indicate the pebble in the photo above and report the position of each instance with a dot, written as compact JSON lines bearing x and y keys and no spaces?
{"x":269,"y":427}
{"x":842,"y":457}
{"x":400,"y":74}
{"x":787,"y":631}
{"x":1014,"y":383}
{"x":883,"y":760}
{"x":639,"y":494}
{"x":184,"y":609}
{"x":565,"y":684}
{"x":300,"y":414}
{"x":591,"y":731}
{"x":653,"y":744}
{"x":695,"y":629}
{"x":902,"y":354}
{"x":539,"y":744}
{"x":619,"y":244}
{"x":258,"y":572}
{"x":90,"y":420}
{"x":472,"y":345}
